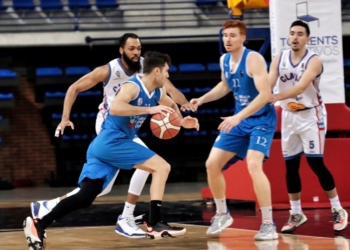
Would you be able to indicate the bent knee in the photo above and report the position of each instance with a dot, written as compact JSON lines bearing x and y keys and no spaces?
{"x":212,"y":165}
{"x":254,"y":167}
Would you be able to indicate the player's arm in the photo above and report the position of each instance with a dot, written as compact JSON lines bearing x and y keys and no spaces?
{"x":100,"y":74}
{"x":121,"y":103}
{"x":178,"y":97}
{"x":273,"y":71}
{"x":219,"y":91}
{"x":167,"y":101}
{"x":187,"y":122}
{"x":257,"y":69}
{"x":314,"y":68}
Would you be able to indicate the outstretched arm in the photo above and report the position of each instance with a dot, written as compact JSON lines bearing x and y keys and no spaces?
{"x":100,"y":74}
{"x":178,"y":97}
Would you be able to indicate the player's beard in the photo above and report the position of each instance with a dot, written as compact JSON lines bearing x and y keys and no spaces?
{"x":133,"y":66}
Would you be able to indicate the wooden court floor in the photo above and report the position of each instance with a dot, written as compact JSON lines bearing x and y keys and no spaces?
{"x":104,"y":237}
{"x":14,"y":206}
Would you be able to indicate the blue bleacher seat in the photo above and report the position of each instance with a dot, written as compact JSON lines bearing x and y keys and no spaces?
{"x":7,"y":73}
{"x":191,"y":67}
{"x":57,"y":94}
{"x":172,"y":68}
{"x":79,"y":3}
{"x":90,"y":93}
{"x":185,"y":90}
{"x":58,"y":116}
{"x":66,"y":137}
{"x":0,"y":118}
{"x":6,"y":96}
{"x":50,"y":4}
{"x":228,"y":111}
{"x":206,"y":2}
{"x":107,"y":4}
{"x":49,"y":71}
{"x":23,"y":4}
{"x":202,"y":90}
{"x":75,"y":71}
{"x":215,"y":132}
{"x":347,"y":86}
{"x":346,"y":62}
{"x":142,"y":135}
{"x":213,"y":67}
{"x":88,"y":115}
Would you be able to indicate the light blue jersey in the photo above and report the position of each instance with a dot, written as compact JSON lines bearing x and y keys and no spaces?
{"x":255,"y":132}
{"x":114,"y":148}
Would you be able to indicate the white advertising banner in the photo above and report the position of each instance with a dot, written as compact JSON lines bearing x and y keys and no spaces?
{"x":324,"y":20}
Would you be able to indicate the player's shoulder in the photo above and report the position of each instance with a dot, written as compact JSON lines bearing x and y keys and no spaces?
{"x":254,"y":57}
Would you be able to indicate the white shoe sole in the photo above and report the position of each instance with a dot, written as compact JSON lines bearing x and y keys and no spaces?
{"x":274,"y":236}
{"x":227,"y":224}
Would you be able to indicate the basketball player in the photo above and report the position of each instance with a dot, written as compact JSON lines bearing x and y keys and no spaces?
{"x":112,"y":75}
{"x":249,"y":132}
{"x":298,"y":71}
{"x":114,"y":149}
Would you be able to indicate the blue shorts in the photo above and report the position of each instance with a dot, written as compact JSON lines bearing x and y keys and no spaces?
{"x":245,"y":136}
{"x":107,"y":154}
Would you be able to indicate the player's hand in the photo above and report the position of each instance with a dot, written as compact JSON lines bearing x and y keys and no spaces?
{"x":161,"y":109}
{"x":196,"y":102}
{"x":273,"y":99}
{"x":188,"y":106}
{"x":63,"y":124}
{"x":228,"y":123}
{"x":190,"y":122}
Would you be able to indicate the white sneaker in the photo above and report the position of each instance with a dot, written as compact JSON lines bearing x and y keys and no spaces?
{"x":35,"y":235}
{"x":128,"y":228}
{"x":39,"y":209}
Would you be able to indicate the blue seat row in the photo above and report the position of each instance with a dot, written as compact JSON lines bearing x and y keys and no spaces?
{"x":7,"y":73}
{"x":57,"y":71}
{"x":60,"y":94}
{"x":6,"y":96}
{"x":75,"y":137}
{"x":214,"y":111}
{"x":83,"y":115}
{"x":56,"y":4}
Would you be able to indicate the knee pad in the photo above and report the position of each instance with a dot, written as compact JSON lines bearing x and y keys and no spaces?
{"x":292,"y":175}
{"x":324,"y":175}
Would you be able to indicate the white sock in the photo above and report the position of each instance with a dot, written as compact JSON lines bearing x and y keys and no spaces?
{"x":335,"y":202}
{"x":128,"y":210}
{"x":52,"y":203}
{"x":221,"y":206}
{"x":266,"y":214}
{"x":295,"y":207}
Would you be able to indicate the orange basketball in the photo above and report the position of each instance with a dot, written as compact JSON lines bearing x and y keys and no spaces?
{"x":165,"y":127}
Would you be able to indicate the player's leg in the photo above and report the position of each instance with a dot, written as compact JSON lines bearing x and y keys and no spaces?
{"x":40,"y":208}
{"x":259,"y":147}
{"x":126,"y":225}
{"x":292,"y":149}
{"x":313,"y":141}
{"x":34,"y":229}
{"x":225,"y":148}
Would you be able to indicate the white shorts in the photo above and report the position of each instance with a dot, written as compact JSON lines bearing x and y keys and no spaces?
{"x":101,"y":116}
{"x":303,"y":132}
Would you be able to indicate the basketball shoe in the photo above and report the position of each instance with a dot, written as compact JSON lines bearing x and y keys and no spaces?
{"x":128,"y":228}
{"x":163,"y":230}
{"x":39,"y":209}
{"x":267,"y":231}
{"x":35,"y":235}
{"x":219,"y":222}
{"x":340,"y":218}
{"x":294,"y":221}
{"x":267,"y":245}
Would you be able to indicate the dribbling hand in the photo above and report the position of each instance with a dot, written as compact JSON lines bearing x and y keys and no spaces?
{"x":188,"y":106}
{"x":63,"y":124}
{"x":161,"y":109}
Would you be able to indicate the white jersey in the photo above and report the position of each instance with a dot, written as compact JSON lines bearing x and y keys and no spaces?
{"x":117,"y":76}
{"x":289,"y":75}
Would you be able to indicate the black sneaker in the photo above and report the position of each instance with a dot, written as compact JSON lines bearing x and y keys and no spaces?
{"x":34,"y":234}
{"x":163,"y":230}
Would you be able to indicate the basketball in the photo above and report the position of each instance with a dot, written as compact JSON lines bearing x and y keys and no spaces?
{"x":165,"y":127}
